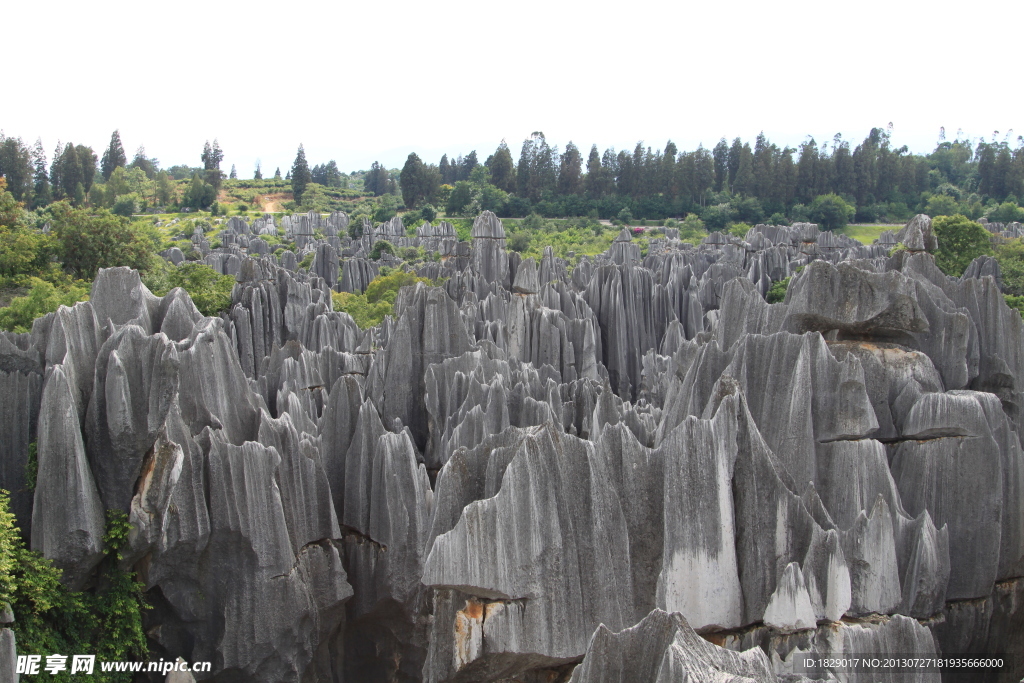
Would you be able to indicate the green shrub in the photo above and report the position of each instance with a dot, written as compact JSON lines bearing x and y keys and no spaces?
{"x":369,"y":308}
{"x":381,"y":247}
{"x":777,"y":292}
{"x":1011,"y":265}
{"x":961,"y":240}
{"x":49,"y":619}
{"x":519,"y":241}
{"x":1015,"y":302}
{"x":210,"y":291}
{"x":88,"y":241}
{"x":43,"y":297}
{"x":831,"y":211}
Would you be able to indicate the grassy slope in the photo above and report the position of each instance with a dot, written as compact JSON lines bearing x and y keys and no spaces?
{"x":866,"y":234}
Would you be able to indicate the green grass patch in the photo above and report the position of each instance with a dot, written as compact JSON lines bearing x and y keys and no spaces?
{"x":865,"y":233}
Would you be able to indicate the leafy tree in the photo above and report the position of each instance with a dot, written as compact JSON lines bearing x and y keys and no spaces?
{"x":113,"y":157}
{"x":381,"y":247}
{"x":210,"y":291}
{"x":23,"y":251}
{"x":88,"y":242}
{"x":717,"y":217}
{"x":126,"y":205}
{"x":369,"y":308}
{"x":42,"y":297}
{"x":961,"y":240}
{"x":519,"y":241}
{"x":387,"y":208}
{"x":941,"y":205}
{"x":141,"y":161}
{"x":831,"y":211}
{"x":1011,"y":266}
{"x":199,"y":195}
{"x":460,"y":198}
{"x":428,"y":213}
{"x":16,"y":166}
{"x":166,"y":193}
{"x":1007,"y":212}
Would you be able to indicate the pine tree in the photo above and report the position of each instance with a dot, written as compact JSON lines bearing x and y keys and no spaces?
{"x":113,"y":157}
{"x":411,"y":180}
{"x":570,"y":176}
{"x":42,"y":194}
{"x":446,"y":170}
{"x":300,"y":174}
{"x":468,"y":164}
{"x":56,"y":180}
{"x":503,"y":170}
{"x":258,"y":175}
{"x":71,"y":172}
{"x":87,"y":160}
{"x":234,"y":174}
{"x":595,"y":180}
{"x":211,"y":157}
{"x":141,"y":161}
{"x":277,"y":173}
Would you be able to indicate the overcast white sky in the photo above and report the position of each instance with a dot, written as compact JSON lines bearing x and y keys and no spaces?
{"x":366,"y":81}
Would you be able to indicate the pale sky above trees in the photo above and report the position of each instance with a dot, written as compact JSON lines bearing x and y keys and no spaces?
{"x":365,"y":81}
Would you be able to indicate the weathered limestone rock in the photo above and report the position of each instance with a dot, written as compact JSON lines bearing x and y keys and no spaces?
{"x":136,"y":380}
{"x":427,"y":331}
{"x":8,"y":656}
{"x":490,"y":260}
{"x":68,"y":520}
{"x":663,"y":647}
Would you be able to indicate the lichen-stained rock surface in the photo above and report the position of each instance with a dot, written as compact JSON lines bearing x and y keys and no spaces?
{"x":626,"y":466}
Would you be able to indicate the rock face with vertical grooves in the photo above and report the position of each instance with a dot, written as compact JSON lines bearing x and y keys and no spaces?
{"x":637,"y":471}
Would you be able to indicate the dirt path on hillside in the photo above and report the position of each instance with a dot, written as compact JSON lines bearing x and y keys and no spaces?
{"x":271,"y":203}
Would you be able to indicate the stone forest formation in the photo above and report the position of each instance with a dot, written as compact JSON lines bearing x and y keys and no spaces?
{"x":625,"y":468}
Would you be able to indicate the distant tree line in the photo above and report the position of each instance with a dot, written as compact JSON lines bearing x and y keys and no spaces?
{"x":731,"y":181}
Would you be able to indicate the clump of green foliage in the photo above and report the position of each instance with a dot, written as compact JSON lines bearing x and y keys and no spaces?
{"x":961,"y":240}
{"x":89,"y":241}
{"x":210,"y":291}
{"x":48,"y":618}
{"x":1015,"y":302}
{"x":831,"y":211}
{"x":381,"y":247}
{"x":739,"y":229}
{"x":43,"y":297}
{"x":32,"y":466}
{"x":777,"y":292}
{"x":369,"y":308}
{"x":1011,"y":265}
